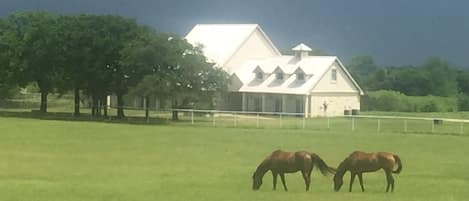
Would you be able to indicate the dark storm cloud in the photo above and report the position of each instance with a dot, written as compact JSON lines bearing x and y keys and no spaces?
{"x":393,"y":32}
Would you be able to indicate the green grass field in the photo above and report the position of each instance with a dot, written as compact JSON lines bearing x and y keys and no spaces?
{"x":44,"y":160}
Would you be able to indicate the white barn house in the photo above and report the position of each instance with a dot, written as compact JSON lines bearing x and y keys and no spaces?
{"x":264,"y":80}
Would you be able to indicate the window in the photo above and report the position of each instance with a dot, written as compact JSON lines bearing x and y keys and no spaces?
{"x":300,"y":76}
{"x":259,"y":75}
{"x":279,"y":76}
{"x":334,"y":75}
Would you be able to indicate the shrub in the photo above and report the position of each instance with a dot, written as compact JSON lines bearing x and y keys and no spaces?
{"x":384,"y":100}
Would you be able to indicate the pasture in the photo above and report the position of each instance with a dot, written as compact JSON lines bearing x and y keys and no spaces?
{"x":46,"y":160}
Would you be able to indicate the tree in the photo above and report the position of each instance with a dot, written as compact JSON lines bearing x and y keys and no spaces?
{"x":179,"y":71}
{"x":95,"y":44}
{"x":442,"y":77}
{"x":119,"y":32}
{"x":361,"y":67}
{"x":192,"y":77}
{"x":409,"y":80}
{"x":7,"y":86}
{"x":32,"y":38}
{"x":77,"y":37}
{"x":147,"y":54}
{"x":463,"y":81}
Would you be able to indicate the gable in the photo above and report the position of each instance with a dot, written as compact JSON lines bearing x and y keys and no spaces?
{"x":229,"y":45}
{"x":219,"y":41}
{"x":256,"y":46}
{"x":343,"y":83}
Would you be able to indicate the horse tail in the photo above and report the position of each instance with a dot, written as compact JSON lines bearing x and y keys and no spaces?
{"x":399,"y":163}
{"x":323,"y":167}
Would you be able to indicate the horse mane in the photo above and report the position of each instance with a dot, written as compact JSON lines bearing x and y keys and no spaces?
{"x":342,"y":168}
{"x":262,"y":167}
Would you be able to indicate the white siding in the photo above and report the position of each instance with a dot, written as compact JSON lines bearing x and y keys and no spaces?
{"x":342,"y":84}
{"x":339,"y":95}
{"x":336,"y":104}
{"x":255,"y":47}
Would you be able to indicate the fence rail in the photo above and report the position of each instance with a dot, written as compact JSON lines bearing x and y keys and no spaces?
{"x":276,"y":120}
{"x":249,"y":119}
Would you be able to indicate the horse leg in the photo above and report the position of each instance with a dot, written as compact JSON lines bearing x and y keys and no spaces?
{"x":307,"y":178}
{"x":360,"y":178}
{"x":274,"y":176}
{"x":282,"y":176}
{"x":390,"y":180}
{"x":352,"y":177}
{"x":274,"y":180}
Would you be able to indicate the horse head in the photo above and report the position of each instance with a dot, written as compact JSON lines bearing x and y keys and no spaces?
{"x":338,"y":181}
{"x":256,"y":181}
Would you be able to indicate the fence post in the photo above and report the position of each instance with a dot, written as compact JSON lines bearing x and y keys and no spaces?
{"x":213,"y":118}
{"x":257,"y":121}
{"x":405,"y":125}
{"x":192,"y":117}
{"x":234,"y":118}
{"x":167,"y":118}
{"x":280,"y":120}
{"x":148,"y":118}
{"x":379,"y":125}
{"x":461,"y":130}
{"x":433,"y":126}
{"x":304,"y":122}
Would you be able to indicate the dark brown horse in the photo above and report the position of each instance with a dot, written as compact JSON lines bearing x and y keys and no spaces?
{"x":281,"y":162}
{"x":359,"y":162}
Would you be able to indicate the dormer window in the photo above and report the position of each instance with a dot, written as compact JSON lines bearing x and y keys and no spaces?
{"x":259,"y":75}
{"x":279,"y":76}
{"x":300,"y":76}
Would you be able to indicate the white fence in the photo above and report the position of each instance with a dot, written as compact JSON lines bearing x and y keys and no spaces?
{"x":357,"y":123}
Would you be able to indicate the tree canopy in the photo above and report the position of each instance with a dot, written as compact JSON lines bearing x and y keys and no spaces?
{"x":100,"y":55}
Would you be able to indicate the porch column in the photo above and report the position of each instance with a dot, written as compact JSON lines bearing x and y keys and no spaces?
{"x":263,"y":102}
{"x":243,"y":104}
{"x":284,"y":99}
{"x":306,"y":107}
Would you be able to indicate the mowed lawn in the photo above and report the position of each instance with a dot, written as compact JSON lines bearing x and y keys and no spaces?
{"x":44,"y":160}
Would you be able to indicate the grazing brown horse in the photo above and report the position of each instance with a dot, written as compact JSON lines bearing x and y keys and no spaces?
{"x":359,"y":162}
{"x":281,"y":162}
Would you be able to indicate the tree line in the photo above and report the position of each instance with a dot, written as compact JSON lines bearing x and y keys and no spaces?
{"x":100,"y":55}
{"x":436,"y":77}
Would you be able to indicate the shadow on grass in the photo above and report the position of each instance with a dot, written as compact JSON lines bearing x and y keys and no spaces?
{"x":64,"y":116}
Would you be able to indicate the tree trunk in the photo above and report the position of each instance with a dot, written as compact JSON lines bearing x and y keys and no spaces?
{"x":99,"y":111}
{"x":43,"y":107}
{"x":175,"y":116}
{"x":77,"y":102}
{"x":104,"y":101}
{"x":94,"y":106}
{"x":120,"y":106}
{"x":146,"y":100}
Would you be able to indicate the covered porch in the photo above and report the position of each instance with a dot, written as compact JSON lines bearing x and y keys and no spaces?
{"x":282,"y":103}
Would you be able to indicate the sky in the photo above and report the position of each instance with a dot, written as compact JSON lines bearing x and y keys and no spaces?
{"x":397,"y":32}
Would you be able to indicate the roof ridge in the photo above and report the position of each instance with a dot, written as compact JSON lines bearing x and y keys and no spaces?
{"x":227,"y":24}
